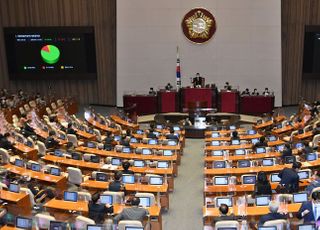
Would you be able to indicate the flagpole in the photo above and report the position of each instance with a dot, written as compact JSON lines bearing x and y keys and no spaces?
{"x":178,"y":73}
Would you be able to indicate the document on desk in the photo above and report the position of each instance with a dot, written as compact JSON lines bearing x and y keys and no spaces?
{"x":109,"y":166}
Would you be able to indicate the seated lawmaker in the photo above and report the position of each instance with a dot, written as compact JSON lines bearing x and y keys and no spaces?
{"x":223,"y":212}
{"x":169,"y":87}
{"x":50,"y":141}
{"x":198,"y":81}
{"x":246,"y":92}
{"x":308,"y":210}
{"x":266,"y":92}
{"x":98,"y":211}
{"x":171,"y":135}
{"x":262,"y":185}
{"x":4,"y":142}
{"x":70,"y":130}
{"x":126,"y":165}
{"x":273,"y":214}
{"x":227,"y":86}
{"x":255,"y":92}
{"x":287,"y":152}
{"x":132,"y":213}
{"x":116,"y":185}
{"x":315,"y":183}
{"x":262,"y":142}
{"x":152,"y":92}
{"x":235,"y":135}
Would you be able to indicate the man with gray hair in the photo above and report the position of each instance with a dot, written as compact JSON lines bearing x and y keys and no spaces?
{"x":273,"y":215}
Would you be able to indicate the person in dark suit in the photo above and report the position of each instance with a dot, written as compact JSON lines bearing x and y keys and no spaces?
{"x":235,"y":136}
{"x":116,"y":185}
{"x":150,"y":132}
{"x":273,"y":215}
{"x":227,"y":86}
{"x":287,"y":152}
{"x":223,"y":210}
{"x":262,"y":142}
{"x":97,"y":211}
{"x":290,"y":178}
{"x":4,"y":142}
{"x":171,"y":135}
{"x":70,"y":130}
{"x":246,"y":92}
{"x":108,"y":142}
{"x":198,"y":81}
{"x":132,"y":213}
{"x":27,"y":130}
{"x":126,"y":165}
{"x":262,"y":185}
{"x":315,"y":183}
{"x":310,"y":210}
{"x":255,"y":92}
{"x":51,"y":142}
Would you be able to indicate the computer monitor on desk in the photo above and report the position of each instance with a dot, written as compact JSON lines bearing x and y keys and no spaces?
{"x":58,"y":225}
{"x":70,"y":196}
{"x":95,"y":227}
{"x":221,"y":180}
{"x":106,"y":199}
{"x":23,"y":223}
{"x":128,"y":179}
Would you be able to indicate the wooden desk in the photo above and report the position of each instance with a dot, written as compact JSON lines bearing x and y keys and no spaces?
{"x":86,"y":135}
{"x":239,"y":171}
{"x":242,"y":137}
{"x":161,"y":191}
{"x":102,"y":127}
{"x":263,"y":125}
{"x":59,"y":181}
{"x":122,"y":122}
{"x":224,"y":131}
{"x":18,"y":203}
{"x":164,"y":147}
{"x":282,"y":130}
{"x":79,"y":206}
{"x":228,"y":147}
{"x":32,"y":153}
{"x":274,"y":143}
{"x":240,"y":188}
{"x":43,"y":134}
{"x":303,"y":136}
{"x":254,"y":156}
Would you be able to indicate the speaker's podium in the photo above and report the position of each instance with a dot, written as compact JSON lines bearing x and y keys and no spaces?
{"x":197,"y":98}
{"x":229,"y":101}
{"x":168,"y":101}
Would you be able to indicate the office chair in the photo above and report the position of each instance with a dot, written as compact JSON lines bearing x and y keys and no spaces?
{"x":117,"y":197}
{"x":315,"y":140}
{"x":280,"y":224}
{"x":227,"y":224}
{"x":42,"y":150}
{"x":5,"y":157}
{"x":126,"y":223}
{"x":82,"y":222}
{"x":74,"y":175}
{"x":85,"y":196}
{"x":43,"y":221}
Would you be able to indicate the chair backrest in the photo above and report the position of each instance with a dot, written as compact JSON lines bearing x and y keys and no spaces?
{"x":87,"y":156}
{"x":82,"y":222}
{"x":26,"y":107}
{"x":117,"y":197}
{"x":280,"y":224}
{"x":33,"y":104}
{"x":31,"y":196}
{"x":293,"y":133}
{"x":41,"y":148}
{"x":5,"y":157}
{"x":29,"y":139}
{"x":283,"y":197}
{"x":73,"y":139}
{"x":98,"y":134}
{"x":126,"y":223}
{"x":21,"y":110}
{"x":315,"y":140}
{"x":85,"y":196}
{"x":48,"y":110}
{"x":59,"y":102}
{"x":147,"y":195}
{"x":53,"y":106}
{"x":43,"y":221}
{"x":2,"y":185}
{"x":307,"y":128}
{"x":227,"y":223}
{"x":74,"y":175}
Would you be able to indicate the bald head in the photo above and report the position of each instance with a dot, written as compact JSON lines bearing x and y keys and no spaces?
{"x":273,"y":206}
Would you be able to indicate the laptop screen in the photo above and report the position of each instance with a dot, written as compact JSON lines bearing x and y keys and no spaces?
{"x":272,"y":138}
{"x":224,"y":200}
{"x":279,"y":126}
{"x":300,"y":197}
{"x":267,"y":228}
{"x":35,"y":167}
{"x":19,"y":163}
{"x":138,"y":163}
{"x":251,"y":132}
{"x":139,"y":131}
{"x":155,"y":180}
{"x":14,"y":187}
{"x":311,"y":157}
{"x":240,"y":152}
{"x":223,"y":180}
{"x":95,"y":227}
{"x":55,"y":171}
{"x":299,"y":145}
{"x":146,"y":151}
{"x":24,"y":223}
{"x":70,"y":196}
{"x":303,"y":175}
{"x":261,"y":150}
{"x":128,"y":179}
{"x":116,"y":161}
{"x":57,"y":225}
{"x":275,"y":178}
{"x":167,"y":152}
{"x":159,"y":127}
{"x":133,"y":140}
{"x":172,"y":142}
{"x":163,"y":164}
{"x":152,"y":142}
{"x":176,"y":128}
{"x":306,"y":227}
{"x":219,"y":164}
{"x":101,"y":176}
{"x":126,"y":150}
{"x":249,"y":179}
{"x":232,"y":127}
{"x":235,"y":142}
{"x":117,"y":138}
{"x":106,"y":199}
{"x":267,"y":162}
{"x":91,"y":145}
{"x":263,"y":200}
{"x":215,"y":134}
{"x":215,"y":143}
{"x":217,"y":153}
{"x":145,"y":201}
{"x":133,"y":228}
{"x":279,"y":148}
{"x":58,"y":152}
{"x":254,"y":140}
{"x":244,"y":164}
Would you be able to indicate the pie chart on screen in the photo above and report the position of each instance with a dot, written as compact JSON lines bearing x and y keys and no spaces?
{"x":50,"y":54}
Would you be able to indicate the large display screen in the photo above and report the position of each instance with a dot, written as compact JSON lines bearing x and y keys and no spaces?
{"x":50,"y":52}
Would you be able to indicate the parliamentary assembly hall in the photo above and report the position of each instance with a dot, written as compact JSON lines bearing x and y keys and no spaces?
{"x":160,"y":114}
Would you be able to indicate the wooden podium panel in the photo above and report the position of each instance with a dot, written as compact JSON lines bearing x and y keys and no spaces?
{"x":256,"y":105}
{"x":201,"y":96}
{"x":145,"y":104}
{"x":168,"y":101}
{"x":229,"y":101}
